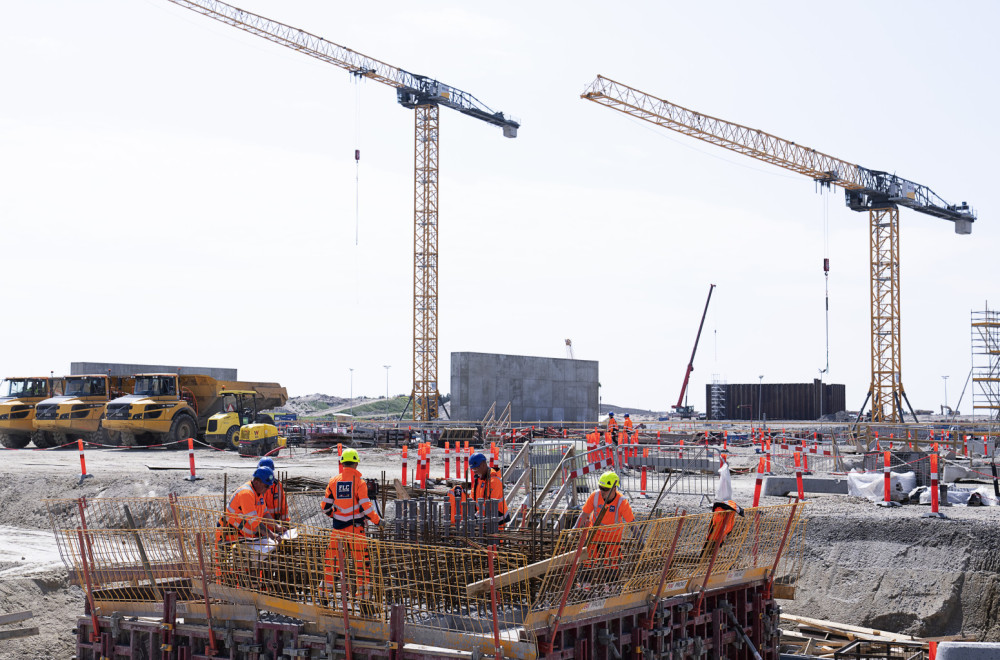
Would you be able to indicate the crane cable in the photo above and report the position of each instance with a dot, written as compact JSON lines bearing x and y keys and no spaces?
{"x":357,"y":155}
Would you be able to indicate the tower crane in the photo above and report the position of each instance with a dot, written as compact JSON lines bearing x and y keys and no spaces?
{"x":879,"y":193}
{"x":424,"y":95}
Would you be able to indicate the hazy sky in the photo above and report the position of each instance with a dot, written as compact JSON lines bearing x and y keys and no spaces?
{"x":174,"y":191}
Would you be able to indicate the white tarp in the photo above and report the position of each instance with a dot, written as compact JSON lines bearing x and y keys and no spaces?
{"x":724,"y":492}
{"x":981,"y":496}
{"x":871,"y":485}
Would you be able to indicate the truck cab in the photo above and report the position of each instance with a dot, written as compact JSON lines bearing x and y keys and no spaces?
{"x":78,"y":412}
{"x":18,"y":398}
{"x":239,"y":408}
{"x":157,"y":407}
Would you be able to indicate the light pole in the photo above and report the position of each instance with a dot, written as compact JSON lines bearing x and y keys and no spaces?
{"x":760,"y":399}
{"x":351,"y":369}
{"x":387,"y":391}
{"x":945,"y":379}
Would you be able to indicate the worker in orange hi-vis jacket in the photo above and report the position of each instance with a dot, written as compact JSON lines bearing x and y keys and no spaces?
{"x":275,"y":501}
{"x":243,"y":519}
{"x":723,"y":519}
{"x":604,"y":546}
{"x":612,"y":430}
{"x":346,"y":501}
{"x":487,"y":484}
{"x":627,"y":426}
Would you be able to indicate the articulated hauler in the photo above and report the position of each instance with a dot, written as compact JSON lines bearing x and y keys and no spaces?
{"x":173,"y":407}
{"x":18,"y":398}
{"x":78,"y":412}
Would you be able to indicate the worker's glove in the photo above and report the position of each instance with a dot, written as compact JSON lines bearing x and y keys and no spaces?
{"x":381,"y":523}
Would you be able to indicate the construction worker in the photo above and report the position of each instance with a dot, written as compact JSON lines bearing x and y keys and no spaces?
{"x":275,"y":501}
{"x":347,"y":502}
{"x":242,"y":520}
{"x":612,"y":431}
{"x":488,"y":485}
{"x":723,"y":518}
{"x":246,"y":508}
{"x":605,"y":544}
{"x":627,"y":425}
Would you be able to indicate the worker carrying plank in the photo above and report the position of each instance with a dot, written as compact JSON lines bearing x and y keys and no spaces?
{"x":275,"y":501}
{"x":346,"y":501}
{"x":487,"y":484}
{"x":608,"y":511}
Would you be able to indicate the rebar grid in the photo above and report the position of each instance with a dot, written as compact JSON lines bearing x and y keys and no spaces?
{"x":629,"y":558}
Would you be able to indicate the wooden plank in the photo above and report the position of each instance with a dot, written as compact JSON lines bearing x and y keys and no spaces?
{"x":538,"y":569}
{"x":401,"y":493}
{"x":18,"y":632}
{"x":15,"y":617}
{"x":869,"y":634}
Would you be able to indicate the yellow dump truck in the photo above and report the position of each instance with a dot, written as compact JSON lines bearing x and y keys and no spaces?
{"x":171,"y":407}
{"x":18,"y":398}
{"x":78,"y":411}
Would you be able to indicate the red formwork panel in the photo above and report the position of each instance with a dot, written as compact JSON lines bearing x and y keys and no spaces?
{"x":737,"y":622}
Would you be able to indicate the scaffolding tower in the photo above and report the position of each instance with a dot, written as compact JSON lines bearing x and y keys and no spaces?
{"x":717,"y":408}
{"x":986,"y":364}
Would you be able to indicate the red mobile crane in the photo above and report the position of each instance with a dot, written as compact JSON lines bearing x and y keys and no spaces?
{"x":683,"y":410}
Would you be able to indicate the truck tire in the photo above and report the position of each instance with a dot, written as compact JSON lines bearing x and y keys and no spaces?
{"x":233,"y":438}
{"x":99,"y":437}
{"x":42,"y":439}
{"x":126,"y":439}
{"x":59,"y":438}
{"x":11,"y":441}
{"x":183,"y":427}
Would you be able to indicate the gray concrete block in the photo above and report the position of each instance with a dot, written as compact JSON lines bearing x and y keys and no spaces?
{"x":968,"y":651}
{"x":782,"y":486}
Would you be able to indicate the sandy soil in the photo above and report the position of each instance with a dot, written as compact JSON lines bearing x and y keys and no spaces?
{"x":865,"y":565}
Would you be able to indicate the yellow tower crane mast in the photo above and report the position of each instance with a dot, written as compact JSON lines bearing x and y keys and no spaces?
{"x":879,"y":193}
{"x":425,"y":96}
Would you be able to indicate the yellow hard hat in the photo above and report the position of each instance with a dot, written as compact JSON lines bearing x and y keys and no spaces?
{"x":608,"y":480}
{"x":350,"y":456}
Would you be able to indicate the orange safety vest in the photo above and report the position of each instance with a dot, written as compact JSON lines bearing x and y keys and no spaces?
{"x":618,"y":511}
{"x":628,"y":424}
{"x":612,"y":424}
{"x":244,"y":512}
{"x":722,"y":523}
{"x":276,"y":502}
{"x":346,"y":500}
{"x":490,"y":488}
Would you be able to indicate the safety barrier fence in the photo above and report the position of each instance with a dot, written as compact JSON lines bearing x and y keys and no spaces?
{"x":466,"y":597}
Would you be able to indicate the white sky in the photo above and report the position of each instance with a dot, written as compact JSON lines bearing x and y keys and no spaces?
{"x":174,"y":191}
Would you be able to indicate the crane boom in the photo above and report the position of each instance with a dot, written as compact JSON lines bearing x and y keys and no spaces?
{"x":412,"y":89}
{"x":865,"y":188}
{"x":690,"y":367}
{"x":878,"y":193}
{"x":424,"y":95}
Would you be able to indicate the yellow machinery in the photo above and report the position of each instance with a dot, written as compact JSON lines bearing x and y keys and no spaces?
{"x":78,"y":411}
{"x":18,"y":398}
{"x":425,"y":96}
{"x":174,"y":407}
{"x":259,"y":439}
{"x":239,"y":408}
{"x":880,"y":194}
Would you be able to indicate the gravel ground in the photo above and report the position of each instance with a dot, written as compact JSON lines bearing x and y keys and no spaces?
{"x":865,"y":565}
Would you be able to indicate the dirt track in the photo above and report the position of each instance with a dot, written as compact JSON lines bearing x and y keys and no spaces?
{"x":885,"y":568}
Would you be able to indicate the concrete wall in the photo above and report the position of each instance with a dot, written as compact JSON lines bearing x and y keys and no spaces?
{"x":78,"y":368}
{"x":538,"y":389}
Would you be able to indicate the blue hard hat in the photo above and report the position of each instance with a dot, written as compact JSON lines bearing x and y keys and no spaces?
{"x":476,"y":460}
{"x":611,"y":414}
{"x":267,"y":462}
{"x":265,"y":474}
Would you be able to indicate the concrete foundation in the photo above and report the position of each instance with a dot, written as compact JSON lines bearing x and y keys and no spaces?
{"x":968,"y":651}
{"x":538,"y":389}
{"x":781,"y":486}
{"x":118,"y":369}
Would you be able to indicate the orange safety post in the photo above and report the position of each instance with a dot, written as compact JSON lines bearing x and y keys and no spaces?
{"x":798,"y":475}
{"x":888,"y":477}
{"x":83,"y":463}
{"x":642,"y":485}
{"x":680,"y":453}
{"x":468,"y":455}
{"x":932,"y":650}
{"x":935,"y":513}
{"x":725,"y":440}
{"x":658,"y":441}
{"x":340,"y":452}
{"x":565,"y":433}
{"x":193,"y":476}
{"x":965,"y":444}
{"x":493,"y":454}
{"x":405,"y":471}
{"x":447,"y":459}
{"x":760,"y":477}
